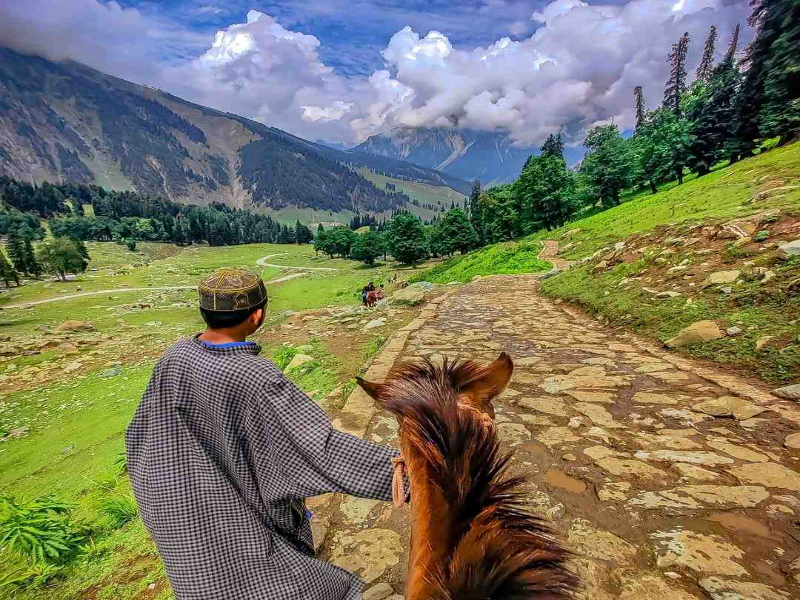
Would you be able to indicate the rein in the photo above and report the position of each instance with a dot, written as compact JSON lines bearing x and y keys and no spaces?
{"x":400,"y":469}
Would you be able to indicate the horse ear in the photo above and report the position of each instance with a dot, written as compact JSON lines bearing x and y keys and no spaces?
{"x":492,"y":384}
{"x":372,"y":389}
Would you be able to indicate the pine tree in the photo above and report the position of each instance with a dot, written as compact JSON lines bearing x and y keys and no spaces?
{"x":16,"y":252}
{"x":638,"y":95}
{"x":706,"y":66}
{"x":676,"y":84}
{"x":31,"y":265}
{"x":733,"y":46}
{"x":780,"y":115}
{"x":7,"y":272}
{"x":553,"y":146}
{"x":475,"y":216}
{"x":750,"y":99}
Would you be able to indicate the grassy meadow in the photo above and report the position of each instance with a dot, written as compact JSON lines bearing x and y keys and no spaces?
{"x":62,"y":425}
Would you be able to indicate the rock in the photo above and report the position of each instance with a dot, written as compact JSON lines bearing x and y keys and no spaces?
{"x":650,"y":398}
{"x":375,"y":323}
{"x":737,"y":451}
{"x":9,"y":350}
{"x":378,"y":592}
{"x":674,"y":272}
{"x":729,"y":406}
{"x":378,"y":551}
{"x":721,"y":277}
{"x":288,"y":313}
{"x":763,"y":341}
{"x":614,"y":491}
{"x":72,"y":367}
{"x":792,"y":440}
{"x":554,"y":436}
{"x":684,"y":456}
{"x":424,"y":285}
{"x":701,"y":553}
{"x":112,"y":372}
{"x":600,"y":267}
{"x":569,"y":457}
{"x":410,"y":296}
{"x":732,"y":331}
{"x":720,"y":589}
{"x":630,"y":468}
{"x":694,"y":472}
{"x":71,"y":326}
{"x":667,"y":294}
{"x":696,"y":333}
{"x":789,"y":249}
{"x":726,"y":290}
{"x":790,"y":392}
{"x":587,"y":540}
{"x":769,"y":474}
{"x":299,"y":359}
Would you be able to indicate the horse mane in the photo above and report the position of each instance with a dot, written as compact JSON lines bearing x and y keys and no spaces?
{"x":500,"y":551}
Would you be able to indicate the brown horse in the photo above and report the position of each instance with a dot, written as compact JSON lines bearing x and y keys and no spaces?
{"x":372,"y":298}
{"x":471,"y":537}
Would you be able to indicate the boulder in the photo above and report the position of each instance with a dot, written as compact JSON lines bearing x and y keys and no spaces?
{"x":721,"y":277}
{"x":425,"y":285}
{"x":792,"y":441}
{"x":729,"y":406}
{"x":71,"y":326}
{"x":375,"y":323}
{"x":410,"y":296}
{"x":299,"y":359}
{"x":732,"y":331}
{"x":789,"y":249}
{"x":600,"y":267}
{"x":72,"y":367}
{"x":667,"y":294}
{"x":696,"y":333}
{"x":9,"y":350}
{"x":790,"y":392}
{"x":763,"y":341}
{"x":674,"y":272}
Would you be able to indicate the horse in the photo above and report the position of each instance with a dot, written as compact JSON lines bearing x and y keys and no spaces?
{"x":372,"y":298}
{"x":471,"y":537}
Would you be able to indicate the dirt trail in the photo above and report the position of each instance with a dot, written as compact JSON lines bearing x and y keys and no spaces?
{"x":167,"y":288}
{"x":657,"y":500}
{"x":262,"y":262}
{"x":550,"y":254}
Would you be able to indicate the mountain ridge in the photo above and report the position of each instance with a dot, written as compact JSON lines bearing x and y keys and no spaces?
{"x":488,"y":156}
{"x":66,"y":122}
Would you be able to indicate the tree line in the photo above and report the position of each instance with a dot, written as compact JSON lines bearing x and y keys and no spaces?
{"x":731,"y":109}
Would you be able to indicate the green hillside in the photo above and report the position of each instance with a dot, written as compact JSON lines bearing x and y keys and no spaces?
{"x":672,"y":244}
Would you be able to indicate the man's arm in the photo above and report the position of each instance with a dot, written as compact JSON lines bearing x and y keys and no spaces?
{"x":316,"y":457}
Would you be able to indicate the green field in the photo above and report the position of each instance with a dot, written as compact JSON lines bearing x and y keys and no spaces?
{"x":68,"y":426}
{"x":423,"y":192}
{"x":505,"y":258}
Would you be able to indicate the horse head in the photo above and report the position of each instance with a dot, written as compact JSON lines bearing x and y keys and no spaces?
{"x":471,"y":536}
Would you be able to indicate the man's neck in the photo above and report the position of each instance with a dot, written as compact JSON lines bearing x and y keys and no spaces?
{"x":222,"y":336}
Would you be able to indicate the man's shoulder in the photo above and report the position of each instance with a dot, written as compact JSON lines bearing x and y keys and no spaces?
{"x":257,"y":368}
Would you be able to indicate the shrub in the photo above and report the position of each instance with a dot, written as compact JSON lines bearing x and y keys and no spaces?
{"x":284,"y":355}
{"x":761,"y":236}
{"x":38,"y":530}
{"x":120,"y":509}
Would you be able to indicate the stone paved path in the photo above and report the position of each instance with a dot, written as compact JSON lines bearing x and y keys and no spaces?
{"x":657,"y":500}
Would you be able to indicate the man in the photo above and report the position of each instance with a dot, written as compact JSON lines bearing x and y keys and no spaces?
{"x":222,"y":451}
{"x":370,"y":287}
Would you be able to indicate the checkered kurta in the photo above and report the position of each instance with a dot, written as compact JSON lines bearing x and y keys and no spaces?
{"x":222,"y":451}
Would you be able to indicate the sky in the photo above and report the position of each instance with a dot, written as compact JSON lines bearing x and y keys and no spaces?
{"x":342,"y":70}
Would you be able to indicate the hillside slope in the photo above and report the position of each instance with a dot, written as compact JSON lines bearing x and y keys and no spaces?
{"x":487,"y":156}
{"x":652,"y":264}
{"x":65,"y":122}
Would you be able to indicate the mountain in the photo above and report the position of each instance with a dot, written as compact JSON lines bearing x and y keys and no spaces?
{"x":65,"y":122}
{"x":464,"y":153}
